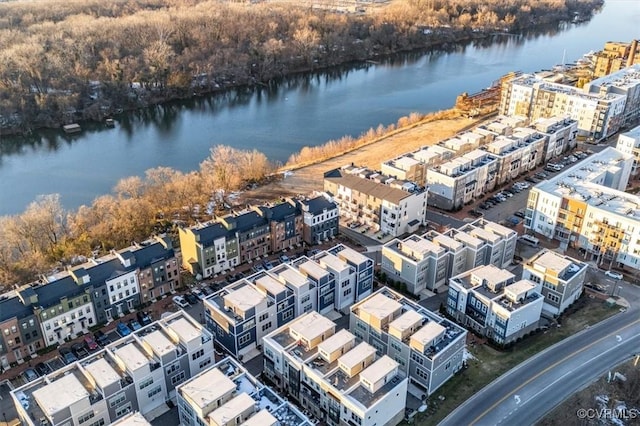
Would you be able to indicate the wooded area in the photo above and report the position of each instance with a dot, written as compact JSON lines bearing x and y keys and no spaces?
{"x":86,"y":59}
{"x":47,"y":236}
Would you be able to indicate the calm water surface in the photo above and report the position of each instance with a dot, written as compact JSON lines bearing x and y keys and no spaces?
{"x":280,"y":120}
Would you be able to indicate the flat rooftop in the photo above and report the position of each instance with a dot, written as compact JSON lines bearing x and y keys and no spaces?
{"x":312,"y":269}
{"x":270,"y":284}
{"x":131,"y":356}
{"x":406,"y":320}
{"x":232,"y":409}
{"x":446,"y":241}
{"x":379,"y":306}
{"x":159,"y":342}
{"x":336,"y":341}
{"x":132,"y":419}
{"x":428,"y":332}
{"x":102,"y":372}
{"x":333,"y":262}
{"x":207,"y":387}
{"x":351,"y":256}
{"x":357,"y":355}
{"x":261,"y":418}
{"x":311,"y":326}
{"x":60,"y":394}
{"x":293,"y":277}
{"x":521,"y":286}
{"x":379,"y":369}
{"x":552,"y":261}
{"x":245,"y":297}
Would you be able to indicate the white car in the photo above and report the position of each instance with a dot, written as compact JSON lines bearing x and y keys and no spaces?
{"x":199,"y":294}
{"x":614,"y":275}
{"x":180,"y":301}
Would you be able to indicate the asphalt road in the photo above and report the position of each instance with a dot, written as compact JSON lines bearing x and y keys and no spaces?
{"x":529,"y":391}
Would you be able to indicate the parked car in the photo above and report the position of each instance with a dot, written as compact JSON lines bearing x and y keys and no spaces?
{"x":198,"y":293}
{"x":144,"y":318}
{"x":191,"y":298}
{"x":180,"y":301}
{"x":614,"y":275}
{"x":205,"y":290}
{"x":531,"y":179}
{"x":67,"y":356}
{"x":484,"y":206}
{"x":123,"y":330}
{"x":79,"y":350}
{"x":101,"y":338}
{"x":597,"y":287}
{"x":516,"y":189}
{"x":43,"y":368}
{"x":267,"y":265}
{"x":258,"y":267}
{"x":475,"y":213}
{"x":89,"y":343}
{"x":134,"y":325}
{"x":284,"y":258}
{"x":519,"y":214}
{"x":30,"y":375}
{"x":541,"y":175}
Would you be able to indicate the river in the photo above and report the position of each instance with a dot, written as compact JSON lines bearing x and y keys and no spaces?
{"x":279,"y":120}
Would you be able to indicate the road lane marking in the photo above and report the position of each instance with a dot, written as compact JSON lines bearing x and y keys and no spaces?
{"x":552,"y":366}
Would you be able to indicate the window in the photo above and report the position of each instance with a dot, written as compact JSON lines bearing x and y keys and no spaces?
{"x":146,"y":382}
{"x":98,"y":423}
{"x":244,"y":339}
{"x":177,"y":378}
{"x":117,"y":400}
{"x":154,"y":391}
{"x":123,"y":410}
{"x":172,"y":368}
{"x":197,"y":355}
{"x":266,"y":326}
{"x":204,"y":363}
{"x":86,"y":417}
{"x":417,"y":358}
{"x":287,"y":315}
{"x":422,"y":373}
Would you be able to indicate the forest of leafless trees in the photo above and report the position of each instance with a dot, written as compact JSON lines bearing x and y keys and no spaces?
{"x":63,"y":61}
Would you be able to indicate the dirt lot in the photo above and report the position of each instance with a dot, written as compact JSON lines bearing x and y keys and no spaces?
{"x":308,"y":179}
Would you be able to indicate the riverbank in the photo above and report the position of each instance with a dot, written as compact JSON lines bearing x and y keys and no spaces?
{"x":309,"y":178}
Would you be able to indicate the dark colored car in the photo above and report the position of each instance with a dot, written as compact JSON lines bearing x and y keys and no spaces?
{"x":191,"y":298}
{"x":30,"y":375}
{"x":475,"y":213}
{"x":67,"y":356}
{"x":519,"y":214}
{"x":43,"y":368}
{"x":79,"y":350}
{"x":144,"y":318}
{"x":101,"y":338}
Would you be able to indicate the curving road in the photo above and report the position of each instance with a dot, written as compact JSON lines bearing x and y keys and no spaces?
{"x":530,"y":390}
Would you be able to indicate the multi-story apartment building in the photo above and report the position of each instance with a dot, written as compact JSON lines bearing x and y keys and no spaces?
{"x":416,"y":261}
{"x":20,"y":332}
{"x":599,"y":115}
{"x":462,"y":179}
{"x":386,"y":204}
{"x":413,"y":166}
{"x":428,"y":348}
{"x":560,"y":134}
{"x":561,"y":277}
{"x":330,"y":375}
{"x":456,"y":252}
{"x":241,"y":314}
{"x":625,"y":82}
{"x":585,"y":207}
{"x":491,"y":302}
{"x":132,"y":419}
{"x":227,"y":395}
{"x":285,"y":223}
{"x":319,"y":219}
{"x":208,"y":249}
{"x":615,"y":56}
{"x":500,"y":241}
{"x":629,"y":143}
{"x":517,"y":153}
{"x":220,"y":245}
{"x":363,"y":266}
{"x":136,"y":373}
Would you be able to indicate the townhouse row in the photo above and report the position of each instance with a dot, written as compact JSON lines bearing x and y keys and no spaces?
{"x":383,"y":203}
{"x":489,"y":301}
{"x":585,"y":207}
{"x":137,"y":373}
{"x":363,"y":375}
{"x":228,"y":241}
{"x":426,"y":262}
{"x":243,"y":312}
{"x":67,"y":304}
{"x":601,"y":107}
{"x":463,"y":168}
